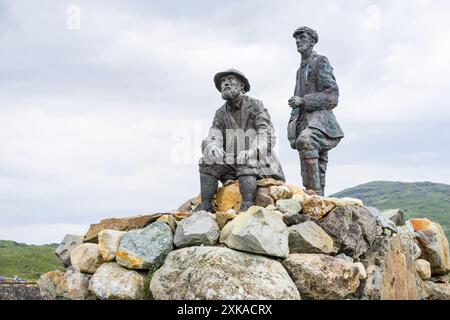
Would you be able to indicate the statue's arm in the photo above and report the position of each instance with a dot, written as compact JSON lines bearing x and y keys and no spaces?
{"x":214,"y":138}
{"x":265,"y":135}
{"x":328,"y":91}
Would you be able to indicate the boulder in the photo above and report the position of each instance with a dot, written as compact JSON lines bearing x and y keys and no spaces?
{"x":317,"y":207}
{"x":289,"y":206}
{"x":308,"y":237}
{"x":269,"y":182}
{"x":71,"y":285}
{"x":69,"y":242}
{"x":342,"y":202}
{"x":228,"y":197}
{"x":383,"y":222}
{"x":291,"y":219}
{"x":119,"y":224}
{"x":214,"y":273}
{"x":353,"y":229}
{"x":391,"y":270}
{"x":257,"y":231}
{"x":199,"y":229}
{"x":423,"y":268}
{"x":223,"y":218}
{"x":113,"y":282}
{"x":362,"y":270}
{"x":170,"y":220}
{"x":86,"y":258}
{"x":280,"y":192}
{"x":145,"y":248}
{"x":321,"y":277}
{"x":263,"y":198}
{"x":108,"y":243}
{"x":438,"y":291}
{"x":297,"y":193}
{"x":397,"y":216}
{"x":434,"y":245}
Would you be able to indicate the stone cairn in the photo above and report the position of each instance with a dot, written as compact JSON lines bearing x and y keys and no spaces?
{"x":291,"y":245}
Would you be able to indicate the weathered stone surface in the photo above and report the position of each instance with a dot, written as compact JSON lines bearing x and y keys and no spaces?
{"x":71,"y":285}
{"x":362,"y":270}
{"x":397,"y":216}
{"x":263,"y":198}
{"x":269,"y":182}
{"x":228,"y":197}
{"x":257,"y":231}
{"x":223,"y":218}
{"x":170,"y":220}
{"x":423,"y":268}
{"x":69,"y":242}
{"x":383,"y":222}
{"x":440,"y":279}
{"x":344,"y":256}
{"x":434,"y":245}
{"x":214,"y":273}
{"x":438,"y":291}
{"x":297,"y":193}
{"x":308,"y":237}
{"x":317,"y":207}
{"x":108,"y":243}
{"x":321,"y":277}
{"x":199,"y":229}
{"x":289,"y":206}
{"x":180,"y":215}
{"x":353,"y":229}
{"x":391,"y":272}
{"x":280,"y":192}
{"x":86,"y":258}
{"x":145,"y":248}
{"x":291,"y":219}
{"x":119,"y":224}
{"x":114,"y":282}
{"x":50,"y":285}
{"x":187,"y":206}
{"x":341,"y":202}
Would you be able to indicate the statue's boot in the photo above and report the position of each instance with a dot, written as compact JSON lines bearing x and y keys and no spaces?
{"x":311,"y":175}
{"x":247,"y":187}
{"x":208,"y":187}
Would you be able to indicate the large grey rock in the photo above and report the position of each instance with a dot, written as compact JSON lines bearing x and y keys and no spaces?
{"x":86,"y":258}
{"x":397,"y":216}
{"x":438,"y":291}
{"x":382,"y":220}
{"x":322,"y":277}
{"x":291,"y":219}
{"x":391,"y":270}
{"x":69,"y":242}
{"x":257,"y":231}
{"x":215,"y":273}
{"x":353,"y":229}
{"x":198,"y":229}
{"x":308,"y":237}
{"x":434,"y":245}
{"x":289,"y":206}
{"x":71,"y":285}
{"x":108,"y":243}
{"x":145,"y":248}
{"x":113,"y":282}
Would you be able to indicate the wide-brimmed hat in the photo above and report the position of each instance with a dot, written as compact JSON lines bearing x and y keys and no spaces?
{"x":309,"y":31}
{"x":233,"y":72}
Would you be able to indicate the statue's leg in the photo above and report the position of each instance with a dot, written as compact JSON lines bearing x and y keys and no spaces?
{"x":323,"y":162}
{"x":208,"y":187}
{"x":309,"y":161}
{"x":247,"y":187}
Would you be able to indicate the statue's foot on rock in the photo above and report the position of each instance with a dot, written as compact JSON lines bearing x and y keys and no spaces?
{"x":204,"y":207}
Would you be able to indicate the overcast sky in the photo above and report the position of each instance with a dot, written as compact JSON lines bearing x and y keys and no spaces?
{"x":103,"y":104}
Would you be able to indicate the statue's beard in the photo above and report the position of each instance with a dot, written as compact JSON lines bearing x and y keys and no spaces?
{"x":230,"y":93}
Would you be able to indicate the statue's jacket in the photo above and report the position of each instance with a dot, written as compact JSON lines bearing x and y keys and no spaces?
{"x":252,"y":119}
{"x":317,"y":86}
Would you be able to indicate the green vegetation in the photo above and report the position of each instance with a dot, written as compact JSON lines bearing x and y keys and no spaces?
{"x":26,"y":261}
{"x":419,"y":199}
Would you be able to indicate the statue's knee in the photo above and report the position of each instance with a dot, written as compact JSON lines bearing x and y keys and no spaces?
{"x":303,"y":142}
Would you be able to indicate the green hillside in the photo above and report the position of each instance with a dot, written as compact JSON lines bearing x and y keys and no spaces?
{"x":420,"y":199}
{"x":26,"y":261}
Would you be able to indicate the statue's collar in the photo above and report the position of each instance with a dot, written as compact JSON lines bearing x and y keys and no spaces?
{"x":235,"y":105}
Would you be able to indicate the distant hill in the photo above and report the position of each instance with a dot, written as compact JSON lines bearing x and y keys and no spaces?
{"x":26,"y":261}
{"x":420,"y":199}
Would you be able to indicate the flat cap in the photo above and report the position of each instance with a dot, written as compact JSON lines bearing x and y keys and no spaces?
{"x":309,"y":31}
{"x":233,"y":72}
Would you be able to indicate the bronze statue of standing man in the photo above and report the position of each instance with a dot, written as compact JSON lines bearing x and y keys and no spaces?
{"x":313,"y":129}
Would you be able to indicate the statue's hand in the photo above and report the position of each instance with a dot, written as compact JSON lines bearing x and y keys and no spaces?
{"x":243,"y":156}
{"x":217,"y":154}
{"x":295,"y":102}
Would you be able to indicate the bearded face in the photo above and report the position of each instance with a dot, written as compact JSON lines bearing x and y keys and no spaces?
{"x":231,"y":87}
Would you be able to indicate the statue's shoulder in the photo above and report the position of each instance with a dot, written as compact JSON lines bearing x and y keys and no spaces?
{"x":253,"y":102}
{"x":320,"y":60}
